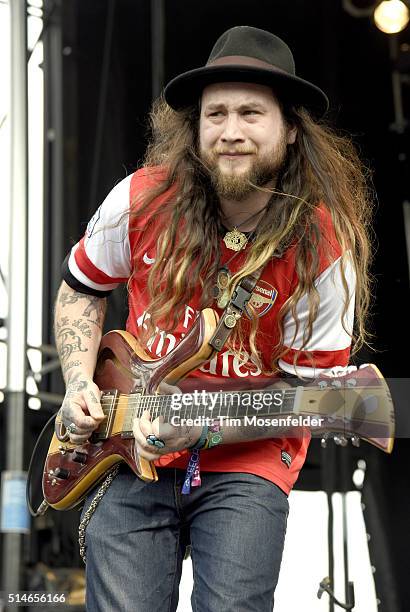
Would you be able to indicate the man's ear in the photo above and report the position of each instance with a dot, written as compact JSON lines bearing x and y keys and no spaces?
{"x":292,"y":133}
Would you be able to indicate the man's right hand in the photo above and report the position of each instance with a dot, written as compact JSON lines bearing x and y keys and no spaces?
{"x":81,"y":407}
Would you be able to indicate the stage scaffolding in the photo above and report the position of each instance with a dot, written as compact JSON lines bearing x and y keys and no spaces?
{"x":18,"y":368}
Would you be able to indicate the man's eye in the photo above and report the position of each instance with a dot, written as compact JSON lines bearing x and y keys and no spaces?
{"x":251,"y":112}
{"x":216,"y":114}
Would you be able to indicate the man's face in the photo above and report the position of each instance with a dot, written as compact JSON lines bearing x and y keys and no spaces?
{"x":242,"y":137}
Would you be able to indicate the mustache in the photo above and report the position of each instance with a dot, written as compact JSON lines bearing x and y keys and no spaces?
{"x":233,"y":151}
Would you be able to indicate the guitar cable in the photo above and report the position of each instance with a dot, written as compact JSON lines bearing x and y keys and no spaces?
{"x":43,"y":507}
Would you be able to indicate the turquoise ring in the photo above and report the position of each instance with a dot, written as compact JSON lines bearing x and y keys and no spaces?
{"x":152,"y":440}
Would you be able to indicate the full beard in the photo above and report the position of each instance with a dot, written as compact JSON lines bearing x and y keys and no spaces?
{"x":232,"y":186}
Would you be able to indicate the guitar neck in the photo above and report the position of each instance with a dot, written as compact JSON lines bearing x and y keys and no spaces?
{"x":354,"y":401}
{"x":241,"y":407}
{"x":336,"y":406}
{"x":234,"y":404}
{"x":353,"y":409}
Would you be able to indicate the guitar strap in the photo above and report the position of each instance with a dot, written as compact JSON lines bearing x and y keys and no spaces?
{"x":234,"y":309}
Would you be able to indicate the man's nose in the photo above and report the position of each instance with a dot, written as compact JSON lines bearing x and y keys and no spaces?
{"x":232,"y":131}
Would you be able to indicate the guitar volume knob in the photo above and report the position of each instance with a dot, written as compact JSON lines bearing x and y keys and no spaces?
{"x":61,"y":473}
{"x":80,"y":457}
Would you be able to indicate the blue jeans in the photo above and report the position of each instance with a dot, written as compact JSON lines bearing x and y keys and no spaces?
{"x":136,"y":540}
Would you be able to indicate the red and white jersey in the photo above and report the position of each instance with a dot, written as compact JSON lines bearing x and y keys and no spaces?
{"x":108,"y":253}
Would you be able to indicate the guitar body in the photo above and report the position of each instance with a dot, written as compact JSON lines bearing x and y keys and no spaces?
{"x":70,"y":470}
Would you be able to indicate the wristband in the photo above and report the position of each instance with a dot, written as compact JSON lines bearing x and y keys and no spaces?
{"x":202,"y":439}
{"x":214,"y":436}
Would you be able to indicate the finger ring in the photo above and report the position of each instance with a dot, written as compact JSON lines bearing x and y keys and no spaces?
{"x":71,"y":428}
{"x":152,"y":440}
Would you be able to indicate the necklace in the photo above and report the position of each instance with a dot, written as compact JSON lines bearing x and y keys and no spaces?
{"x":236,"y":240}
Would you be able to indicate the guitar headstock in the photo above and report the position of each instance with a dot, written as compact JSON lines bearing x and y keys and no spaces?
{"x":356,"y":404}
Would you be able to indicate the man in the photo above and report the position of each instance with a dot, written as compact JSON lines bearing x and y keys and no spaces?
{"x":239,"y":177}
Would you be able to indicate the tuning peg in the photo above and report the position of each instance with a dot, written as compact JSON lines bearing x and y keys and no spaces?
{"x":340,"y":440}
{"x":323,"y":441}
{"x":355,"y":441}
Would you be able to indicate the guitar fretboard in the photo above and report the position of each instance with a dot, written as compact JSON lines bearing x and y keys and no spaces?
{"x":201,"y":404}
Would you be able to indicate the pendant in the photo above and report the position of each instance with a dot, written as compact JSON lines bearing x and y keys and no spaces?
{"x":221,"y":290}
{"x":235,"y":240}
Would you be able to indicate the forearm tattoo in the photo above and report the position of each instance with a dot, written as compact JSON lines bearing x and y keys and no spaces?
{"x":83,"y":327}
{"x":69,"y":365}
{"x":69,"y":333}
{"x":68,"y":298}
{"x":75,"y":386}
{"x":95,"y":307}
{"x":68,"y":342}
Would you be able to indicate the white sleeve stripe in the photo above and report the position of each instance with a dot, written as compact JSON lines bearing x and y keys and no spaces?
{"x":328,"y":332}
{"x":106,"y":241}
{"x":82,"y":278}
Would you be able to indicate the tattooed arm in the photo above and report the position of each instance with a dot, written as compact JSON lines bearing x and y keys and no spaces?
{"x":78,"y":324}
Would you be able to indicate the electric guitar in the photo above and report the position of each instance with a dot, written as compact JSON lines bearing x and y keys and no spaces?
{"x":357,"y":405}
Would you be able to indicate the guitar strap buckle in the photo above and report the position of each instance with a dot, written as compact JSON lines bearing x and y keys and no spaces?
{"x":234,"y":310}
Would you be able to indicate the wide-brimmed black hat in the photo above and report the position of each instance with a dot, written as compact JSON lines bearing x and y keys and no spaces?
{"x":245,"y":54}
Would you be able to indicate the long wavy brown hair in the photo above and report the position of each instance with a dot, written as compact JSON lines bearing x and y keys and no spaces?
{"x":322,"y":166}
